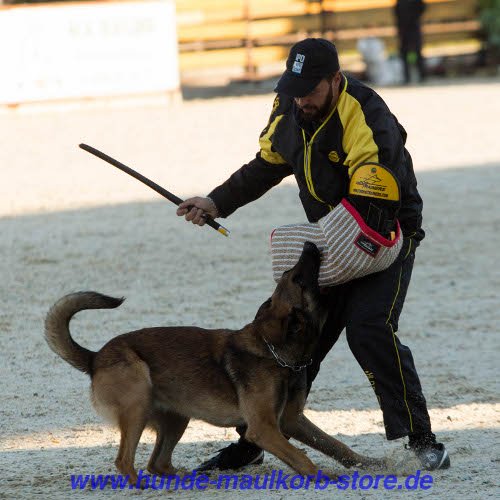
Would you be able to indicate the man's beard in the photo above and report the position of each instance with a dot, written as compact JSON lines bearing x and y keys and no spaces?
{"x":315,"y":114}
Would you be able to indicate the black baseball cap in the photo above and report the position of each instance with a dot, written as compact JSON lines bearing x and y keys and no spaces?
{"x":309,"y":61}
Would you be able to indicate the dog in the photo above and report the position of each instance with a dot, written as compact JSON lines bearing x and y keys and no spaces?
{"x":162,"y":377}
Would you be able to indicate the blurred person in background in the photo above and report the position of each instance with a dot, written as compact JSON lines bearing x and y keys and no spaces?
{"x":323,"y":125}
{"x":408,"y":17}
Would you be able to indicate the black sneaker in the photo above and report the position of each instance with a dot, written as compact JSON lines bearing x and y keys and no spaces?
{"x":432,"y":456}
{"x":234,"y":456}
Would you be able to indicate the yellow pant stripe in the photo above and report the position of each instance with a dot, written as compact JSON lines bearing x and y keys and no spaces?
{"x":396,"y":346}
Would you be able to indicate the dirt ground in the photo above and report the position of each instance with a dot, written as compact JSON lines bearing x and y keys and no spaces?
{"x":70,"y":222}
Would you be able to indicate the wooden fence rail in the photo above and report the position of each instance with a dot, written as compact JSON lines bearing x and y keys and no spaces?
{"x":253,"y":33}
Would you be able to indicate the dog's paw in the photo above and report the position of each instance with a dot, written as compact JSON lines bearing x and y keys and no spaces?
{"x":374,"y":463}
{"x":165,"y":471}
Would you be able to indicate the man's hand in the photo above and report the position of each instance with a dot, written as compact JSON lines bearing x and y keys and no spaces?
{"x":196,"y":209}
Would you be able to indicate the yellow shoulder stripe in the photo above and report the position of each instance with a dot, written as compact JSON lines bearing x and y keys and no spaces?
{"x":266,"y":151}
{"x":358,"y":140}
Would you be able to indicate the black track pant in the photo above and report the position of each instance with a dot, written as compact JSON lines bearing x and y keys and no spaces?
{"x":369,"y":309}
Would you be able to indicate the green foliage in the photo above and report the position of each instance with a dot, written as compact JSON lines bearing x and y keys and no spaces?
{"x":489,"y":14}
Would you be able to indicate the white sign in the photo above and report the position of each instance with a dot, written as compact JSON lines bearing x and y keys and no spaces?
{"x":87,"y":50}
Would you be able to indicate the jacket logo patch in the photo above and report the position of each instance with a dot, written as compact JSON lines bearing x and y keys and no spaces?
{"x":375,"y":182}
{"x":368,"y":246}
{"x":299,"y":62}
{"x":334,"y":156}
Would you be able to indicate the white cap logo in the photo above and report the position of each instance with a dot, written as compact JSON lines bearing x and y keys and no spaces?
{"x":299,"y":62}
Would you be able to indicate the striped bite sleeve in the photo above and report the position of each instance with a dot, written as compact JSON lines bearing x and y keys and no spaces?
{"x":349,"y":248}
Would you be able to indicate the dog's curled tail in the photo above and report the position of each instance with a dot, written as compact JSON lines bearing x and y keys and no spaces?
{"x":57,"y":332}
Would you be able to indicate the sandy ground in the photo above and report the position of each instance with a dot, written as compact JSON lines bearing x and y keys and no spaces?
{"x":69,"y":222}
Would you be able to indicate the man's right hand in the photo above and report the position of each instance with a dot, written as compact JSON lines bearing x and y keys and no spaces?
{"x":195,"y":209}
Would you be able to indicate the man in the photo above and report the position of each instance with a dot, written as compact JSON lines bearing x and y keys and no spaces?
{"x":322,"y":126}
{"x":408,"y":16}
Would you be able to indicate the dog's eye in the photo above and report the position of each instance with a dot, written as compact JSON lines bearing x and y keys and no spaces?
{"x":294,"y":322}
{"x":298,"y":280}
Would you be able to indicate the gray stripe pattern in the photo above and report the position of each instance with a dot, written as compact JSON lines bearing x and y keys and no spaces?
{"x":335,"y":236}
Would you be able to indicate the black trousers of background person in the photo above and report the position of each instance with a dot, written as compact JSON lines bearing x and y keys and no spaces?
{"x":410,"y":40}
{"x":369,"y":309}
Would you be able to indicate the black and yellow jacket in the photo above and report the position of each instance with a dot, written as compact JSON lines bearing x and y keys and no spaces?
{"x":359,"y":129}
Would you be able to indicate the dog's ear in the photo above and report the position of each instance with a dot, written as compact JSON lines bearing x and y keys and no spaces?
{"x":276,"y":324}
{"x":263,"y":308}
{"x":272,"y":322}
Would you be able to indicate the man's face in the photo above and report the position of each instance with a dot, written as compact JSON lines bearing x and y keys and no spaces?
{"x":316,"y":105}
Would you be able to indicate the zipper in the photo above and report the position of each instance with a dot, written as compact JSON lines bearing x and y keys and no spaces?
{"x":308,"y":151}
{"x":307,"y":166}
{"x":307,"y":159}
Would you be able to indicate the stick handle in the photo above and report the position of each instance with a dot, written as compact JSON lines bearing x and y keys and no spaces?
{"x":166,"y":194}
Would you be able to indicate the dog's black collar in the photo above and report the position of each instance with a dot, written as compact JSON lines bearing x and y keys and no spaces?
{"x":282,"y":362}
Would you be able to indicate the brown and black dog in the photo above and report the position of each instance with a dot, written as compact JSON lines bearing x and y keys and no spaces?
{"x":163,"y":377}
